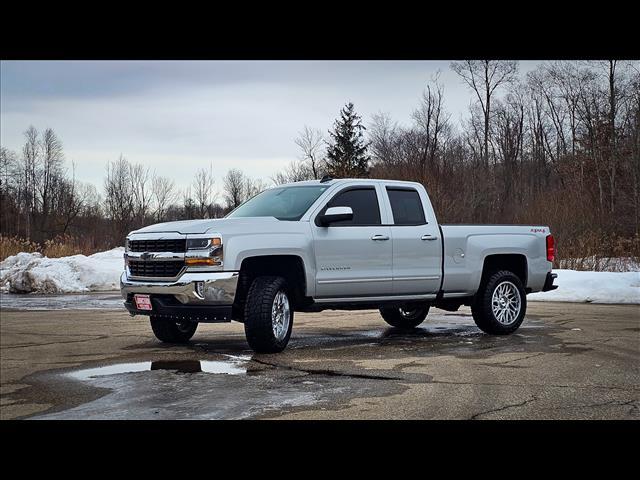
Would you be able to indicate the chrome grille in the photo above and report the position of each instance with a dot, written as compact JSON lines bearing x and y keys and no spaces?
{"x":167,"y":245}
{"x":140,"y":268}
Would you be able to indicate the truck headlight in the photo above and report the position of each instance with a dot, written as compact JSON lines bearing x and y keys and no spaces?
{"x":204,"y":252}
{"x":203,"y":243}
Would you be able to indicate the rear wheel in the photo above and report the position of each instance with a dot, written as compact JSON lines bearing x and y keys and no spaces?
{"x":405,"y":317}
{"x":500,"y":304}
{"x":172,"y":331}
{"x":268,"y":315}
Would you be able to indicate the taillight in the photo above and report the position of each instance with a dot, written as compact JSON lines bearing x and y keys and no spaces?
{"x":551,"y":248}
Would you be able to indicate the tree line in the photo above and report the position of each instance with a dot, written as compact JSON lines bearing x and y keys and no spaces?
{"x":557,"y":146}
{"x":41,"y":199}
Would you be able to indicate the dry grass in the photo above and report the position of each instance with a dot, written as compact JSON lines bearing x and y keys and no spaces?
{"x":602,"y":252}
{"x":13,"y":245}
{"x":61,"y":246}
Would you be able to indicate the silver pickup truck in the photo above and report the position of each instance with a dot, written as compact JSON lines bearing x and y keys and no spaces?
{"x":331,"y":244}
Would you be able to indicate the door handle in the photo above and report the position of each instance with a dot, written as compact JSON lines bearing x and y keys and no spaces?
{"x":428,"y":237}
{"x":380,"y":237}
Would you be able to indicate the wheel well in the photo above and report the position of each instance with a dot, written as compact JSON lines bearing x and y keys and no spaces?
{"x":515,"y":263}
{"x":291,"y":267}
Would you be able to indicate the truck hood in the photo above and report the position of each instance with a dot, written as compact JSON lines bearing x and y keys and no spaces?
{"x":211,"y":225}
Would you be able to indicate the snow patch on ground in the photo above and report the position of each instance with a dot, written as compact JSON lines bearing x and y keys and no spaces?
{"x":592,"y":287}
{"x":34,"y":273}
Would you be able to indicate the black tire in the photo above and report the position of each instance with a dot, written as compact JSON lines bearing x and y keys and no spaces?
{"x":407,"y":318}
{"x":482,"y":308}
{"x":170,"y":331}
{"x":258,"y":321}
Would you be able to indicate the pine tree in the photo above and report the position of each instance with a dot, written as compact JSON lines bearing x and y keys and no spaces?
{"x":347,"y":153}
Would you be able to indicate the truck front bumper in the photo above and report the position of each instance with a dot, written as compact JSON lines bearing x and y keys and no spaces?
{"x":194,"y":296}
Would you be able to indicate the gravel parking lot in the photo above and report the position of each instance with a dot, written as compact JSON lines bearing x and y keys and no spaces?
{"x":567,"y":361}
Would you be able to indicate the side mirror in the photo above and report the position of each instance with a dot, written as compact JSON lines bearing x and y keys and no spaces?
{"x":335,"y":214}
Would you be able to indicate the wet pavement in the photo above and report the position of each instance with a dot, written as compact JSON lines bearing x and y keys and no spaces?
{"x":566,"y":361}
{"x":81,"y":301}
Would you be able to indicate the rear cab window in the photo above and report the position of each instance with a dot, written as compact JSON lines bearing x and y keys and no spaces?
{"x":406,"y":206}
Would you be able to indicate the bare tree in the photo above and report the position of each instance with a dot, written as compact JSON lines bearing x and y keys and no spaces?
{"x":296,"y":171}
{"x":31,"y":155}
{"x":311,"y":143}
{"x":119,"y":198}
{"x":384,"y":136}
{"x":238,"y":188}
{"x":205,"y":195}
{"x":484,"y":77}
{"x":49,"y":175}
{"x":614,"y":95}
{"x":164,"y":194}
{"x":432,"y":122}
{"x":253,"y":187}
{"x":9,"y":187}
{"x":234,"y":185}
{"x":8,"y":167}
{"x":633,"y":129}
{"x":188,"y":204}
{"x":140,"y":177}
{"x":71,"y":198}
{"x":509,"y":138}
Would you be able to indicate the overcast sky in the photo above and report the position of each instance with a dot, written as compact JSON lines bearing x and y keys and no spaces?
{"x":179,"y":116}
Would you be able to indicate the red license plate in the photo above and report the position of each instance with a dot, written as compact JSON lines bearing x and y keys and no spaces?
{"x":143,"y":302}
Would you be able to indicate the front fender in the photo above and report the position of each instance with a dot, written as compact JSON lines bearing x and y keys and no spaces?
{"x":238,"y":248}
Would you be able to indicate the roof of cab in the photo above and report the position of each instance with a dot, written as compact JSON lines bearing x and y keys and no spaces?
{"x":335,"y":181}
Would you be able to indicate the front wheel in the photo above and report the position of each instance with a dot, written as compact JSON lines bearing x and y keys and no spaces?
{"x":406,"y":317}
{"x":268,"y":315}
{"x":500,"y":304}
{"x":171,"y":331}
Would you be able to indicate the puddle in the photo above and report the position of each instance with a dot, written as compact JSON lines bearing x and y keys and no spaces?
{"x":82,"y":301}
{"x":198,"y":389}
{"x":88,"y":373}
{"x":235,"y":366}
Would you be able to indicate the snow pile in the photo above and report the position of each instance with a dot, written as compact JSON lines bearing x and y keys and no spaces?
{"x":31,"y":272}
{"x":596,"y":287}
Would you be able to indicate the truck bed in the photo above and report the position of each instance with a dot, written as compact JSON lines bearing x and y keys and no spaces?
{"x":466,"y":246}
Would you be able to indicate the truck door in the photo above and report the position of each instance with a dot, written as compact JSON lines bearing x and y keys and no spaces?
{"x":417,"y":246}
{"x":353,"y":257}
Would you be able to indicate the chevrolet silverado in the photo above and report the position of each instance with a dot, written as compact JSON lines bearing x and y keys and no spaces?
{"x":331,"y":244}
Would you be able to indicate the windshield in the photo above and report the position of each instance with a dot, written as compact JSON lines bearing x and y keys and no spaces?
{"x":284,"y":203}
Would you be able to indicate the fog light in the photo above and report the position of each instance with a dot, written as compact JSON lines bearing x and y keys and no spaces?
{"x":200,"y":289}
{"x":201,"y":261}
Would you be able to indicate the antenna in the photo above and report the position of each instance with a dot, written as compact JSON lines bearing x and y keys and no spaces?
{"x":325,"y":179}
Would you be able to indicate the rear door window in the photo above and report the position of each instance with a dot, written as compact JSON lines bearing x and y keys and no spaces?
{"x":406,"y":206}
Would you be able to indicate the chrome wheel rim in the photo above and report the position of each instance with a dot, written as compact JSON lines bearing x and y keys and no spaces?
{"x":506,"y":303}
{"x":280,"y":315}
